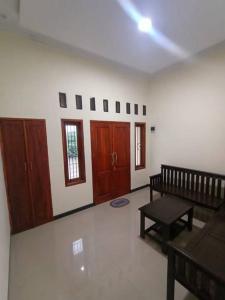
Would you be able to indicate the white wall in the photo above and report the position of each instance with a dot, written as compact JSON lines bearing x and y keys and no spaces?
{"x":32,"y":74}
{"x":188,"y":109}
{"x":4,"y":239}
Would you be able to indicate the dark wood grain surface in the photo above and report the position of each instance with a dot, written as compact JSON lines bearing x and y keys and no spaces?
{"x":167,"y":209}
{"x":200,"y":265}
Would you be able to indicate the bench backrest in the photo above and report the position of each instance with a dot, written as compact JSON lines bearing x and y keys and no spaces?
{"x":193,"y":180}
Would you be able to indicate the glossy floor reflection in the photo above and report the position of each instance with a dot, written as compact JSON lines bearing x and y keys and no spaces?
{"x":94,"y":254}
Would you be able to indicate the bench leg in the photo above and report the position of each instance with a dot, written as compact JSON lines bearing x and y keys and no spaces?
{"x":190,"y":219}
{"x":170,"y":276}
{"x":151,"y":194}
{"x":142,"y":225}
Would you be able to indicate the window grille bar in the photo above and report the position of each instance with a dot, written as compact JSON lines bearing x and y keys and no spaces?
{"x":72,"y":152}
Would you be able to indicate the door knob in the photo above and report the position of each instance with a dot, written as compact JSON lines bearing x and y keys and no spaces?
{"x":113,"y":160}
{"x":116,"y":157}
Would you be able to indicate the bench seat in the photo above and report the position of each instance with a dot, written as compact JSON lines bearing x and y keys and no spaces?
{"x":195,"y":197}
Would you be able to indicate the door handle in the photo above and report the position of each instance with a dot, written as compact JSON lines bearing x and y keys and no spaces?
{"x":113,"y":161}
{"x":116,"y":157}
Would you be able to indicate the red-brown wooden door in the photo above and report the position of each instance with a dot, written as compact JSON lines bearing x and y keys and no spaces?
{"x":25,"y":159}
{"x":121,"y":167}
{"x":110,"y":159}
{"x":39,"y":178}
{"x":101,"y":143}
{"x":16,"y":174}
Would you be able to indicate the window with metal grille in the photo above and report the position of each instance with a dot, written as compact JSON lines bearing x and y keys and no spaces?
{"x":140,"y":146}
{"x":73,"y":151}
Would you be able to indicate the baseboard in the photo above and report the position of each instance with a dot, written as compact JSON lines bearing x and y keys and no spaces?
{"x":71,"y":212}
{"x":139,"y":188}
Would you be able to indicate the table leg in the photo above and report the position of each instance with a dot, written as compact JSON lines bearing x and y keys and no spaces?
{"x":142,"y":225}
{"x":166,"y":238}
{"x":190,"y":219}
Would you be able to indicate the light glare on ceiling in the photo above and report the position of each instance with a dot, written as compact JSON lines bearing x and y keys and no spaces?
{"x":145,"y":25}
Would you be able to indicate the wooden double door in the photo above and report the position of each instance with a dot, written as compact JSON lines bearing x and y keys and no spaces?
{"x":26,"y":170}
{"x":110,"y":143}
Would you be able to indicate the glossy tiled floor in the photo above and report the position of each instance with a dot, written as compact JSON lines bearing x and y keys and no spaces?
{"x":94,"y":254}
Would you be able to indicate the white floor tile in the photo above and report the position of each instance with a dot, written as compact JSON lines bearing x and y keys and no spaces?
{"x":109,"y":261}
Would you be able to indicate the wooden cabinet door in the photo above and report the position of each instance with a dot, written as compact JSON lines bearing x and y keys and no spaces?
{"x":101,"y":142}
{"x":39,"y":178}
{"x":16,"y":174}
{"x":121,"y":149}
{"x":110,"y":159}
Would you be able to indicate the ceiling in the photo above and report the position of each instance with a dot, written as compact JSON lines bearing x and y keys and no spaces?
{"x":104,"y":29}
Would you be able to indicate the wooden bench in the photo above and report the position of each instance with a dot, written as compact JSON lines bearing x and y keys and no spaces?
{"x":200,"y":266}
{"x":202,"y":188}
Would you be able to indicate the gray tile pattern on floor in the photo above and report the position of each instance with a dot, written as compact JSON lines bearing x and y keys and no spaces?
{"x":94,"y":254}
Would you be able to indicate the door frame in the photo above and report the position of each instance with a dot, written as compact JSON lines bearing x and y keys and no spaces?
{"x":109,"y":122}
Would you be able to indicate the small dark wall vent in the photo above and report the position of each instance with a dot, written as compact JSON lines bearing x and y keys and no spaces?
{"x":92,"y":104}
{"x":62,"y":100}
{"x":105,"y":105}
{"x":78,"y":101}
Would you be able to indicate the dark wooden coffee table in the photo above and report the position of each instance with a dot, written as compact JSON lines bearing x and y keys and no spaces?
{"x":166,"y":212}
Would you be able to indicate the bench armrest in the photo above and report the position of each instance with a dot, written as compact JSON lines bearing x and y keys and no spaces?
{"x":155,"y":179}
{"x":185,"y":268}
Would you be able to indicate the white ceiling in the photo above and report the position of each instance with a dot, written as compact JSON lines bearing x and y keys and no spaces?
{"x":103,"y":28}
